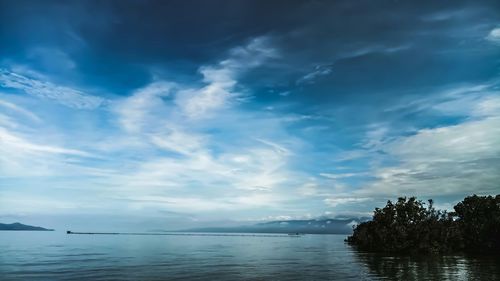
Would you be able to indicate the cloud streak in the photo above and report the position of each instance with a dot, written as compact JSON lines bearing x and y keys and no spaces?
{"x":221,"y":79}
{"x":46,"y":90}
{"x":20,"y":110}
{"x":494,"y":35}
{"x":447,"y":160}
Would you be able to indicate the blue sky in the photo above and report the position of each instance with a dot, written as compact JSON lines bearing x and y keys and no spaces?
{"x":154,"y":114}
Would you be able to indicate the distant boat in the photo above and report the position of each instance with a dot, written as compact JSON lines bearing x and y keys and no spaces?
{"x":295,"y":234}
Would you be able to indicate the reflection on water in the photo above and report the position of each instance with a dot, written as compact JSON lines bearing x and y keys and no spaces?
{"x":57,"y":256}
{"x":431,"y":267}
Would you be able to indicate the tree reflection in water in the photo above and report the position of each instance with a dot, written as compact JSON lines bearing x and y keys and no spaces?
{"x":456,"y":267}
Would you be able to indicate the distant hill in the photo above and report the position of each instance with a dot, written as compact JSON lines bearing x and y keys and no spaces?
{"x":20,"y":226}
{"x":318,"y":226}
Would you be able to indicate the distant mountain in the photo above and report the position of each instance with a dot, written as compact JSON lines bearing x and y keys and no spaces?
{"x":318,"y":226}
{"x":20,"y":226}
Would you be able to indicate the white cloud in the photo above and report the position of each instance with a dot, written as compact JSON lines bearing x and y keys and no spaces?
{"x":366,"y":50}
{"x":322,"y":70}
{"x":470,"y":102}
{"x":494,"y":35}
{"x":467,"y":141}
{"x":176,"y":140}
{"x":145,"y":115}
{"x":460,"y":159}
{"x":250,"y":169}
{"x":340,"y":176}
{"x":221,"y":80}
{"x":140,"y":110}
{"x":309,"y":189}
{"x":276,"y":147}
{"x":20,"y":110}
{"x":455,"y":100}
{"x":11,"y":142}
{"x":375,"y":136}
{"x":8,"y":122}
{"x":198,"y":103}
{"x":487,"y":106}
{"x":311,"y":77}
{"x":334,"y":202}
{"x":200,"y":204}
{"x":21,"y":157}
{"x":163,"y":138}
{"x":46,"y":90}
{"x":30,"y":147}
{"x":162,"y":124}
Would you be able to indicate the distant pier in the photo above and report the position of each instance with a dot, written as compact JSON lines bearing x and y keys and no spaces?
{"x":186,"y":234}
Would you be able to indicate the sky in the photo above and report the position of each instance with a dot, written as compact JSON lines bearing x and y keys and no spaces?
{"x":174,"y":114}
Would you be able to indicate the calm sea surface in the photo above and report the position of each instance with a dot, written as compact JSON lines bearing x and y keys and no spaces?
{"x":57,"y":256}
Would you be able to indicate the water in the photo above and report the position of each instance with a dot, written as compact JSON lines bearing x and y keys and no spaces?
{"x":57,"y":256}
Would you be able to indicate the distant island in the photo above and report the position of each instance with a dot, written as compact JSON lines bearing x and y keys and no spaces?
{"x":20,"y":226}
{"x":314,"y":226}
{"x":407,"y":226}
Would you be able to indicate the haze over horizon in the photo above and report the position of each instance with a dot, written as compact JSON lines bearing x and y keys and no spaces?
{"x":168,"y":115}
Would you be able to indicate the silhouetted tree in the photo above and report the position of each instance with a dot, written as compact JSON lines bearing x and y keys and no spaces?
{"x":409,"y":226}
{"x":478,"y":218}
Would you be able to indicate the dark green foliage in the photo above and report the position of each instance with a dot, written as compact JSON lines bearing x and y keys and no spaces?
{"x":408,"y":226}
{"x":478,"y":218}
